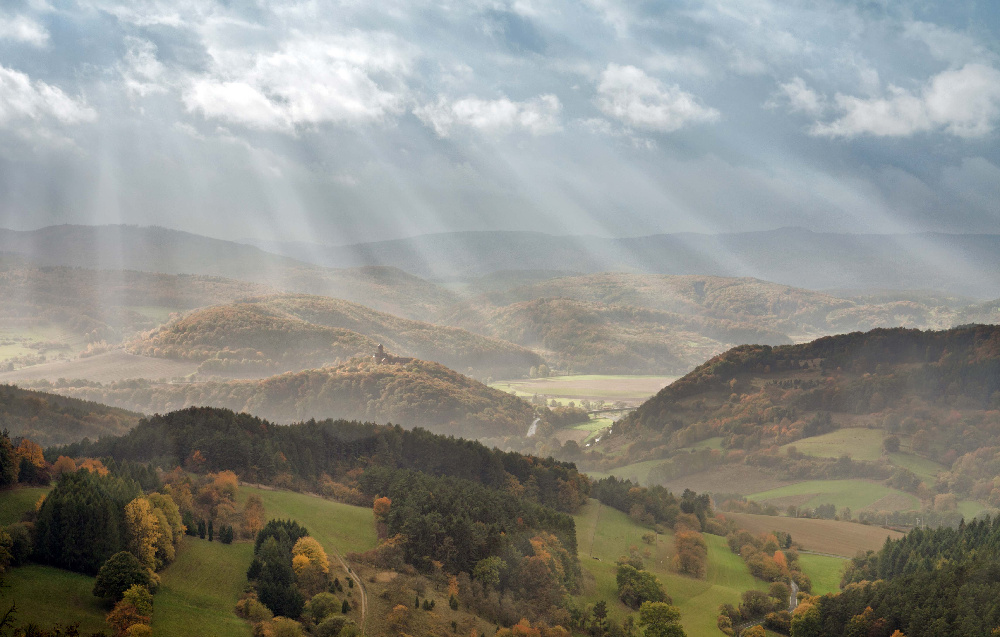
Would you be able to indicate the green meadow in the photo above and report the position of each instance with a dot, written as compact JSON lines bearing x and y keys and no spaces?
{"x":856,"y":494}
{"x":200,"y":588}
{"x":824,"y":572}
{"x":859,"y":444}
{"x":605,"y":534}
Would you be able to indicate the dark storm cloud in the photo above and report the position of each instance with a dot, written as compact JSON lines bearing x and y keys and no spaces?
{"x":342,"y":121}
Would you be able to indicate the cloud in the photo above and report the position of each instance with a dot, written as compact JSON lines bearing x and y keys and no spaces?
{"x":141,"y":70}
{"x":307,"y":81}
{"x":21,"y":28}
{"x":538,"y":116}
{"x":21,"y":99}
{"x":798,"y":97}
{"x":629,"y":95}
{"x":963,"y":102}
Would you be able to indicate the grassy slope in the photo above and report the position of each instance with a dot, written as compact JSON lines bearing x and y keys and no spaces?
{"x":202,"y":585}
{"x":337,"y":526}
{"x":605,"y":533}
{"x":856,"y":494}
{"x":200,"y":589}
{"x":859,"y":444}
{"x":824,"y":572}
{"x":14,"y":503}
{"x":46,"y":595}
{"x":638,"y":470}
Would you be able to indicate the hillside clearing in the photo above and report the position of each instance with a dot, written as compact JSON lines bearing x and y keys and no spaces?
{"x":820,"y":536}
{"x":337,"y":526}
{"x":858,"y":443}
{"x":605,"y":534}
{"x":856,"y":494}
{"x":824,"y":572}
{"x":16,"y":502}
{"x":200,"y":588}
{"x":46,"y":595}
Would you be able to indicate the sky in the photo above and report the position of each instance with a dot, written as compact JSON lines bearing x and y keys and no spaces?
{"x":337,"y":122}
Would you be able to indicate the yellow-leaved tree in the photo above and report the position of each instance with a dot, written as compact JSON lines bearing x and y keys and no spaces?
{"x":142,"y":530}
{"x":311,"y":565}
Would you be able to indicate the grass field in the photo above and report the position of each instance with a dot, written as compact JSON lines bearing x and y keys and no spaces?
{"x":606,"y":534}
{"x":46,"y":595}
{"x":339,"y":526}
{"x":824,"y":572}
{"x":971,"y":508}
{"x":14,"y":503}
{"x":822,"y":536}
{"x":630,"y":389}
{"x":859,"y":444}
{"x":925,"y":469}
{"x":636,"y":471}
{"x":856,"y":494}
{"x":200,"y":588}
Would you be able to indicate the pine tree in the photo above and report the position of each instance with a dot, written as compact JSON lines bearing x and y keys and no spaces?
{"x":211,"y":531}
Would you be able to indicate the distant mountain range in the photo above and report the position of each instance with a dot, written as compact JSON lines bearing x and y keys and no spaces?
{"x":959,"y":263}
{"x":152,"y":249}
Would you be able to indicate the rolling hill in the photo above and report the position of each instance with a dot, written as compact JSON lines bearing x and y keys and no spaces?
{"x":587,"y":337}
{"x":414,"y":394}
{"x":49,"y":419}
{"x":616,"y":322}
{"x":914,"y":410}
{"x":293,"y":332}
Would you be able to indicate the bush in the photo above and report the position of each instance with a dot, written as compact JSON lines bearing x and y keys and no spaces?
{"x":140,"y":597}
{"x":331,"y":626}
{"x":321,"y":606}
{"x":121,"y":572}
{"x":21,"y":545}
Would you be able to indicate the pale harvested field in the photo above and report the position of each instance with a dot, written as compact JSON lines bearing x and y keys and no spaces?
{"x":630,"y":389}
{"x":821,"y":536}
{"x":104,"y":368}
{"x":741,"y":479}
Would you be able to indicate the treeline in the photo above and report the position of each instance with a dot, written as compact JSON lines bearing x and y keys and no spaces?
{"x":651,"y":505}
{"x":205,"y":439}
{"x":49,"y":419}
{"x":939,"y":582}
{"x":417,"y":394}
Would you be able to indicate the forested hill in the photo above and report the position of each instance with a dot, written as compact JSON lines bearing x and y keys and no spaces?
{"x":293,"y":332}
{"x":931,"y":583}
{"x":208,"y":439}
{"x":50,"y":419}
{"x":413,"y":394}
{"x":940,"y":390}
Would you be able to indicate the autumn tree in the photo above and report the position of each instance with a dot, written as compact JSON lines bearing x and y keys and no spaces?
{"x":142,"y":531}
{"x":253,"y":516}
{"x":660,"y":619}
{"x":311,"y":565}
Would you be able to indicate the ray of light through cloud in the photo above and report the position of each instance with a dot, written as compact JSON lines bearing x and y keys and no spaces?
{"x":338,"y":122}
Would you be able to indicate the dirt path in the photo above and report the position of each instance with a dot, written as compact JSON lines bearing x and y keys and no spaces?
{"x":359,"y":585}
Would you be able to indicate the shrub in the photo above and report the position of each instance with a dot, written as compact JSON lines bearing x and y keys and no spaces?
{"x":122,"y":571}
